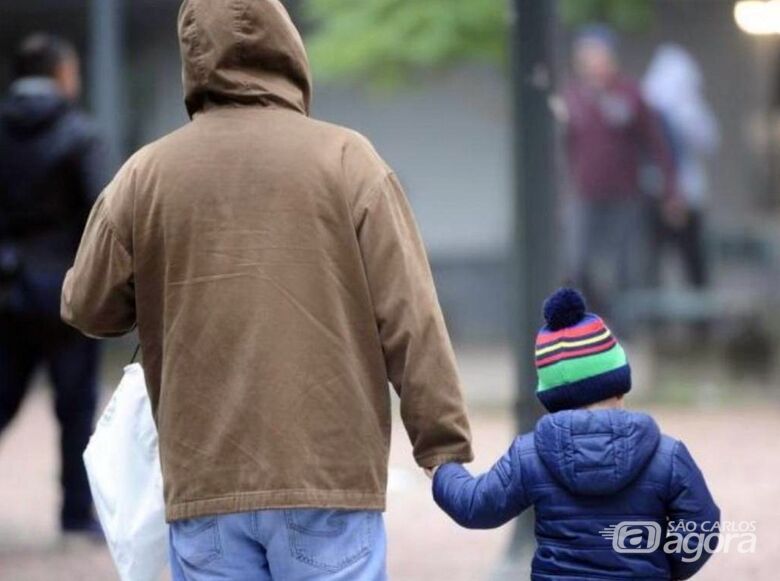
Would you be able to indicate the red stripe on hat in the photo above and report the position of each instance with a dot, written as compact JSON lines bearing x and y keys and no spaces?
{"x":548,"y":338}
{"x":575,"y":354}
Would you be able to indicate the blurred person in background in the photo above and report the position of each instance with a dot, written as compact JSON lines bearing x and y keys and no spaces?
{"x":609,"y":130}
{"x":674,"y":87}
{"x":51,"y":171}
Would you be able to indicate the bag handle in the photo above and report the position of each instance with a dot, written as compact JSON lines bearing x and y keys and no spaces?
{"x":135,"y":354}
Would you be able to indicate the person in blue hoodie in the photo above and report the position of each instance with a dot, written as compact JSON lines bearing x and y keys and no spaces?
{"x":608,"y":489}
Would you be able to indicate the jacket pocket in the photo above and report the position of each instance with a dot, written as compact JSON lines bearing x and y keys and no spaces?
{"x":196,"y":541}
{"x":330,"y":540}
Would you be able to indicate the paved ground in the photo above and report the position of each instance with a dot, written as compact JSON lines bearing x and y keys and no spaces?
{"x":738,"y":450}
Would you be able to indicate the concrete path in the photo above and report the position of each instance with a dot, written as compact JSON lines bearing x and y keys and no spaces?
{"x":738,"y":451}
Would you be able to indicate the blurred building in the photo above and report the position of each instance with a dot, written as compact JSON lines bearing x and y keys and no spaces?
{"x":448,"y":137}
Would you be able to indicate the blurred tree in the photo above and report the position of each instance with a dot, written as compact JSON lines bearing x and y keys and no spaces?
{"x":627,"y":15}
{"x":386,"y":40}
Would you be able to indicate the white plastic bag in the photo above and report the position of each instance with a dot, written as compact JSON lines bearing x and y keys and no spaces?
{"x":123,"y":465}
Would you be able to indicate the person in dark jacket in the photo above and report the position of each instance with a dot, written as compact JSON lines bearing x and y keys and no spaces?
{"x":608,"y":488}
{"x":51,"y":171}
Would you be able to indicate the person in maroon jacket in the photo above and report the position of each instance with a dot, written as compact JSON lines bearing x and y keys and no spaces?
{"x":610,"y":134}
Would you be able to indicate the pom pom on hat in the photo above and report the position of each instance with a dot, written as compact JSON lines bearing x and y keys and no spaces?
{"x":578,"y":360}
{"x":564,"y":309}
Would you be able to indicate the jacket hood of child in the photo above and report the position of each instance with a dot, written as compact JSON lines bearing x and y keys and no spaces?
{"x":596,"y":452}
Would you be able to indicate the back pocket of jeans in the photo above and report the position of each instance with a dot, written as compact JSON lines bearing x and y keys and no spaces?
{"x":329,"y":540}
{"x":196,"y":541}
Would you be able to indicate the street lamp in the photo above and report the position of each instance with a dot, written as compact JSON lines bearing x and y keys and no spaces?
{"x":533,"y":257}
{"x":758,"y":16}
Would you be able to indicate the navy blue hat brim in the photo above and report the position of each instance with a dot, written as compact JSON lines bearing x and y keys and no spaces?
{"x":587,"y":391}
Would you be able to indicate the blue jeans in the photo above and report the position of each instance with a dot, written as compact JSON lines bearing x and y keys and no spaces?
{"x":283,"y":545}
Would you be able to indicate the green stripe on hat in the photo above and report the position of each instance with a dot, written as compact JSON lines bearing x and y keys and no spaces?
{"x":572,"y":370}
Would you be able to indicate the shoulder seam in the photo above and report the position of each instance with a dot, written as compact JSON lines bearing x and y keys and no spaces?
{"x":355,"y":138}
{"x":372,"y":196}
{"x":374,"y":191}
{"x":523,"y":484}
{"x":111,"y":227}
{"x":671,"y":469}
{"x":109,"y":220}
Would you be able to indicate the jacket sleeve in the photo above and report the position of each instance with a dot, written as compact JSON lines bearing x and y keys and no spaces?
{"x":691,"y":505}
{"x":418,"y":355}
{"x":487,"y":501}
{"x":656,"y":146}
{"x":98,"y":296}
{"x":697,"y":125}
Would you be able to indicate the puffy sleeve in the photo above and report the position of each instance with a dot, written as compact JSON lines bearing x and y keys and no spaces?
{"x":486,"y":501}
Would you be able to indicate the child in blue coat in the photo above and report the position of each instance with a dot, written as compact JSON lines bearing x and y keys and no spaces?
{"x":613,"y":497}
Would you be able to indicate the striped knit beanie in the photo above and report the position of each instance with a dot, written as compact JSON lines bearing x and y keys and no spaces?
{"x":578,"y":360}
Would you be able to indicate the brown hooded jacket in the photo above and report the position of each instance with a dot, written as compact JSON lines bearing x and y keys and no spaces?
{"x":277,"y":278}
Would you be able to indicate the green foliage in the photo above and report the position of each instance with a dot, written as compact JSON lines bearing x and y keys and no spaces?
{"x":385,"y":40}
{"x":628,"y":15}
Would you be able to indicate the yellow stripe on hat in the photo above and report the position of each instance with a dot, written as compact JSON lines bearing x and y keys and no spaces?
{"x":568,"y":344}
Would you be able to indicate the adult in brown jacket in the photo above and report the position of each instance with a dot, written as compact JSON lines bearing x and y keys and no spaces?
{"x":277,"y":278}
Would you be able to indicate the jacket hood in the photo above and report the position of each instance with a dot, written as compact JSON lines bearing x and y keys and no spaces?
{"x":242,"y":52}
{"x":596,"y":452}
{"x":27,"y":113}
{"x":673,"y":76}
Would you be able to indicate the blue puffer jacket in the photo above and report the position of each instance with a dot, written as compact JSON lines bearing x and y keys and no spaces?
{"x":585,"y":473}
